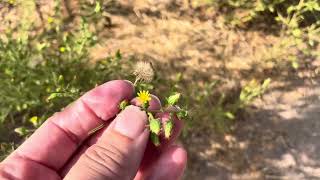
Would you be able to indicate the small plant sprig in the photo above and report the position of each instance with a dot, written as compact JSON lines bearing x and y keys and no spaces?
{"x":158,"y":128}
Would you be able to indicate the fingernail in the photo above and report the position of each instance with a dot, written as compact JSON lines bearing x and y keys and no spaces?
{"x":131,"y":122}
{"x":128,"y":81}
{"x":154,"y":104}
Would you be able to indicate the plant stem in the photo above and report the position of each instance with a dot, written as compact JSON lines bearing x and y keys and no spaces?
{"x":136,"y":81}
{"x":96,"y":129}
{"x":165,"y":110}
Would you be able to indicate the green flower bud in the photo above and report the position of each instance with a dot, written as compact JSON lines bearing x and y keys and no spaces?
{"x":154,"y":124}
{"x":173,"y":99}
{"x":155,"y":139}
{"x":168,"y":127}
{"x":123,"y":104}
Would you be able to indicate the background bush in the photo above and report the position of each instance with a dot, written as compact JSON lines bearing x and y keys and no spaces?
{"x":44,"y":72}
{"x":296,"y":21}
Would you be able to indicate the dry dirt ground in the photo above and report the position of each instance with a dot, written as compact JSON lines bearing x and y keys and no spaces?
{"x":276,"y":138}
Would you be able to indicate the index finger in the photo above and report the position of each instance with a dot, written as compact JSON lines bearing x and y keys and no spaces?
{"x":58,"y":138}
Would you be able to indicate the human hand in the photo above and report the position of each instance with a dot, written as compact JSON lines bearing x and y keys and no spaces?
{"x":63,"y":148}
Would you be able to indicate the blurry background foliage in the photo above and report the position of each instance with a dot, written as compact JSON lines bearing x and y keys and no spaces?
{"x":44,"y":69}
{"x":40,"y":73}
{"x":297,"y":20}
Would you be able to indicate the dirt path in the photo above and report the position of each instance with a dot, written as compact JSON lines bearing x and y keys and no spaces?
{"x":278,"y":140}
{"x":283,"y":133}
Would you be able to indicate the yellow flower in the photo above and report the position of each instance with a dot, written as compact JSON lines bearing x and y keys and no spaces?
{"x":62,"y":49}
{"x":144,"y":97}
{"x":50,"y":20}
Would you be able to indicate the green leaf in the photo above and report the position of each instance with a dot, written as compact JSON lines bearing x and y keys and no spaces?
{"x":168,"y":127}
{"x":311,"y":42}
{"x":295,"y":64}
{"x":22,"y":131}
{"x":173,"y":99}
{"x":266,"y":83}
{"x":60,"y":79}
{"x":182,"y":114}
{"x":53,"y":96}
{"x":41,"y":46}
{"x":123,"y":104}
{"x":229,"y":115}
{"x":97,"y":9}
{"x":155,"y":139}
{"x":118,"y":55}
{"x":290,"y":9}
{"x":296,"y":32}
{"x":155,"y":125}
{"x":145,"y":106}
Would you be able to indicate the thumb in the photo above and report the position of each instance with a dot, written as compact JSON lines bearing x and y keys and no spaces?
{"x":119,"y":151}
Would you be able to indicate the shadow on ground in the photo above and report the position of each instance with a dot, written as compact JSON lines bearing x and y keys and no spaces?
{"x":277,"y":138}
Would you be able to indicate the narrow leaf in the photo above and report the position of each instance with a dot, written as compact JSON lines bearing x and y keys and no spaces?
{"x":182,"y":114}
{"x":97,"y":9}
{"x":173,"y":99}
{"x":168,"y":127}
{"x":22,"y":131}
{"x":155,"y":139}
{"x":155,"y":126}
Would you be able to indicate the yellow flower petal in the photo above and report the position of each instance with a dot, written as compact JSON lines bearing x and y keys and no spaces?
{"x":144,"y":97}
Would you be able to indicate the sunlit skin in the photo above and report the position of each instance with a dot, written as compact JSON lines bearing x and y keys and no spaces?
{"x":63,"y":139}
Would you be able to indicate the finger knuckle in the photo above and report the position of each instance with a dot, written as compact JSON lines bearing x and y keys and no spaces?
{"x":108,"y":161}
{"x":4,"y":174}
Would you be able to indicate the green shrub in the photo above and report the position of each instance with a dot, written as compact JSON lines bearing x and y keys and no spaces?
{"x":299,"y":13}
{"x":42,"y":73}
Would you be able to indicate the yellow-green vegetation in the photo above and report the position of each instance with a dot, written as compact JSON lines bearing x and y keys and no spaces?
{"x":42,"y":72}
{"x":297,"y":21}
{"x":45,"y":67}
